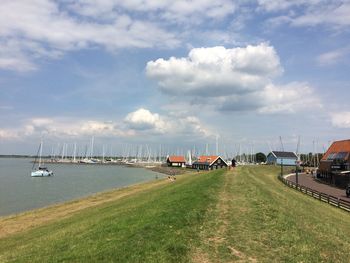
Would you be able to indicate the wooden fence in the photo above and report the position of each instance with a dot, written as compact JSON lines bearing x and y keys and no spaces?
{"x":332,"y":200}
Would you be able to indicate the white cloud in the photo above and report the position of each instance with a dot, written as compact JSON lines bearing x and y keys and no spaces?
{"x":333,"y":57}
{"x":31,"y":30}
{"x":42,"y":28}
{"x":334,"y":14}
{"x":63,"y":127}
{"x":141,"y":122}
{"x":330,"y":13}
{"x":168,"y":10}
{"x":289,"y":98}
{"x":341,"y":119}
{"x":278,"y":5}
{"x":8,"y":134}
{"x":13,"y":56}
{"x":42,"y":20}
{"x":216,"y":71}
{"x":144,"y":121}
{"x":237,"y":79}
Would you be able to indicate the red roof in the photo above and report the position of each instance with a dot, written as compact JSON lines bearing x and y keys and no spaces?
{"x":176,"y":159}
{"x":207,"y":159}
{"x":336,"y":147}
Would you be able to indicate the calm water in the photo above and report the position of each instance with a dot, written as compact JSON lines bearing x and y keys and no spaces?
{"x":20,"y":192}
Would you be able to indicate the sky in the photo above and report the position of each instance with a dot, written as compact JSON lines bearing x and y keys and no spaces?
{"x":174,"y":74}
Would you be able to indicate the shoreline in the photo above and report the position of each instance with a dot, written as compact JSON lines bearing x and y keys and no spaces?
{"x":17,"y":222}
{"x":155,"y":175}
{"x":14,"y":223}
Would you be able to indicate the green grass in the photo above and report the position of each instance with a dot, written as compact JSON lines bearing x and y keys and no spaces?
{"x":245,"y":215}
{"x":260,"y":219}
{"x":159,"y":225}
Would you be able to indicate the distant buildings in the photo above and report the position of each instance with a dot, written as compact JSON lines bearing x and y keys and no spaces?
{"x":209,"y":163}
{"x":176,"y":161}
{"x":284,"y":158}
{"x":334,"y":166}
{"x":202,"y":163}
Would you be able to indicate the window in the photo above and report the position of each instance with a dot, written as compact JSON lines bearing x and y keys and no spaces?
{"x":331,"y":156}
{"x":337,"y":156}
{"x":341,"y":155}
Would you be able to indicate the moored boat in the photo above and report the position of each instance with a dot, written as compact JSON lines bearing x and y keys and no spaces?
{"x":41,"y":171}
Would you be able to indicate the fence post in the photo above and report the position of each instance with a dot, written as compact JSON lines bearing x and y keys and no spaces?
{"x":321,"y":196}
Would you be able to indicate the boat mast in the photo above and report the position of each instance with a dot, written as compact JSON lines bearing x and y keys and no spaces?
{"x":75,"y":152}
{"x":103,"y":153}
{"x":217,"y":145}
{"x":92,"y":147}
{"x":41,"y":151}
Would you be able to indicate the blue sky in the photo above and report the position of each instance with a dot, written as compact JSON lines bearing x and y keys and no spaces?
{"x":175,"y":73}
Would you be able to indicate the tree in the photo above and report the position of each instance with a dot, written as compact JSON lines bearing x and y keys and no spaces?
{"x":260,"y":157}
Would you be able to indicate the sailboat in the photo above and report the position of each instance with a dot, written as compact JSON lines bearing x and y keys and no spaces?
{"x":41,"y":171}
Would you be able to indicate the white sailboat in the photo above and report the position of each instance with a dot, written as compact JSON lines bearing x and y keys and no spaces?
{"x":41,"y":171}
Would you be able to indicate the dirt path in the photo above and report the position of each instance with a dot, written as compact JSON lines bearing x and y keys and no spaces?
{"x":215,"y":230}
{"x":27,"y":220}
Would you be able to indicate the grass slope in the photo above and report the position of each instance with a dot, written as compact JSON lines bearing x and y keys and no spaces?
{"x":157,"y":225}
{"x":245,"y":215}
{"x":259,"y":219}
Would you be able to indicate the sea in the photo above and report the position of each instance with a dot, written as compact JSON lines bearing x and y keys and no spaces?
{"x":20,"y":192}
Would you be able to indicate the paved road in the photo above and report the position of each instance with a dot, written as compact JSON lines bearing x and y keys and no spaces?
{"x":308,"y":181}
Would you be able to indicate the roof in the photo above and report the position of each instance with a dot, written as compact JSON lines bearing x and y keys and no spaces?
{"x":286,"y":155}
{"x":176,"y":159}
{"x":209,"y":160}
{"x":337,"y":147}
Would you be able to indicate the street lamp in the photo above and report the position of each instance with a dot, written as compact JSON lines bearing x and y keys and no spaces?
{"x":296,"y":172}
{"x":281,"y":167}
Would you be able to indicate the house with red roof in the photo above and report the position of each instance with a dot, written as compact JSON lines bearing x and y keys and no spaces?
{"x":334,"y":166}
{"x":209,"y":163}
{"x":176,"y":161}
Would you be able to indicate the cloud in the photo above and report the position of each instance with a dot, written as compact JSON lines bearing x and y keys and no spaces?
{"x":341,"y":119}
{"x":8,"y":134}
{"x":272,"y":99}
{"x":278,"y":5}
{"x":32,"y":30}
{"x":13,"y":56}
{"x":237,"y":79}
{"x":216,"y":71}
{"x":334,"y":14}
{"x":63,"y":128}
{"x":290,"y":98}
{"x":143,"y":119}
{"x":168,"y":10}
{"x":141,"y":122}
{"x":333,"y":57}
{"x":171,"y":125}
{"x":330,"y":13}
{"x":42,"y":28}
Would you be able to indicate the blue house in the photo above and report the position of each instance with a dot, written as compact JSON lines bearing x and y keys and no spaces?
{"x":286,"y":158}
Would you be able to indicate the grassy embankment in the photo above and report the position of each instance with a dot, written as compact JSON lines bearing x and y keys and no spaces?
{"x":247,"y":215}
